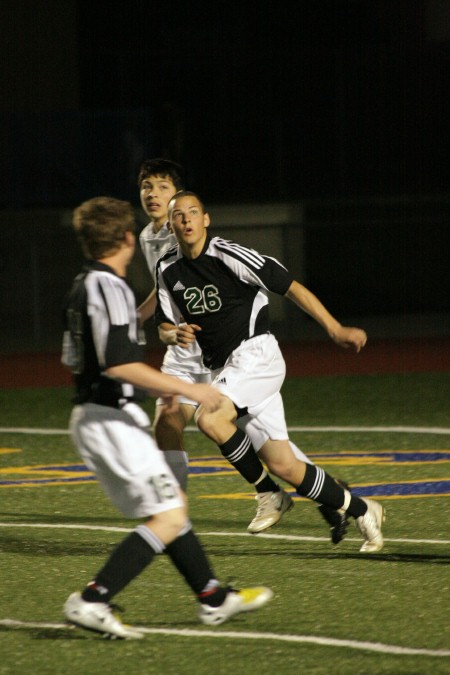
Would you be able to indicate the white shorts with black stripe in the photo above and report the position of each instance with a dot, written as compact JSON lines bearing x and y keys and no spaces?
{"x":116,"y":445}
{"x":252,"y":378}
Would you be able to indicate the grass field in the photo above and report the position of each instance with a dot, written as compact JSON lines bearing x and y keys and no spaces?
{"x":335,"y":611}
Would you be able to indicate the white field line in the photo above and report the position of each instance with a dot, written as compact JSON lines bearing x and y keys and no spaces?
{"x":311,"y":639}
{"x":244,"y":635}
{"x":327,"y":429}
{"x":284,"y":537}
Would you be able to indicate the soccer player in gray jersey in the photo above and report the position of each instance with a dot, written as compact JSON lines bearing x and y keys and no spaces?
{"x":220,"y":289}
{"x":111,"y":431}
{"x":158,"y":180}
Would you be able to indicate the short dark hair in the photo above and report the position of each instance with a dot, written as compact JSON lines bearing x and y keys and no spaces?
{"x":185,"y":193}
{"x":100,"y":224}
{"x":162,"y":167}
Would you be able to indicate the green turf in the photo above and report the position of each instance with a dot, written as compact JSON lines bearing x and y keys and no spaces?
{"x":397,"y":597}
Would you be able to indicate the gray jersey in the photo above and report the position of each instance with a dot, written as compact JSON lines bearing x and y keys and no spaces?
{"x":155,"y":244}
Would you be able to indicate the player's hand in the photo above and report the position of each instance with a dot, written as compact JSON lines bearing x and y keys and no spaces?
{"x":350,"y":337}
{"x":186,"y":334}
{"x":170,"y":403}
{"x":209,"y":398}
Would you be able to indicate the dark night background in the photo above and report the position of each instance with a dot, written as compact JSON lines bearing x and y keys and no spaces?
{"x":336,"y":109}
{"x":273,"y":100}
{"x":260,"y":100}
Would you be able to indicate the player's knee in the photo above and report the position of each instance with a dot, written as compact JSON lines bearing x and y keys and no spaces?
{"x":208,"y":422}
{"x":172,"y":523}
{"x":178,"y":522}
{"x":285,"y":466}
{"x":290,"y":473}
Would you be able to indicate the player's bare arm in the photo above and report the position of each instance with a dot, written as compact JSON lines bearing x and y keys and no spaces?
{"x":182,"y":335}
{"x":147,"y":309}
{"x":343,"y":336}
{"x":159,"y":384}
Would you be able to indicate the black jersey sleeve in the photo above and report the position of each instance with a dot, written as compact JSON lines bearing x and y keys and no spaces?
{"x":120,"y":349}
{"x":252,"y":267}
{"x":166,"y":309}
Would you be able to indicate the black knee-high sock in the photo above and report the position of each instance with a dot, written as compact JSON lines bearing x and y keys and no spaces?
{"x":239,"y":451}
{"x":189,"y":557}
{"x":129,"y":559}
{"x":321,"y":487}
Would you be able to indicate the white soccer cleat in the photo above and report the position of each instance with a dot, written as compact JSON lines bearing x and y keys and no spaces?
{"x":245,"y":600}
{"x":271,"y":507}
{"x":370,"y":527}
{"x":98,"y":617}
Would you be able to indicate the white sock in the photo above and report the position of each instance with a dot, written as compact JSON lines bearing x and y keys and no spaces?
{"x":179,"y":463}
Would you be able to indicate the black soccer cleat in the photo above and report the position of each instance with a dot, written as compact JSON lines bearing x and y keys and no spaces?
{"x":337,"y":520}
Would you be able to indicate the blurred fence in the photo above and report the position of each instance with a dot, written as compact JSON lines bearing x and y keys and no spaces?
{"x":362,"y":258}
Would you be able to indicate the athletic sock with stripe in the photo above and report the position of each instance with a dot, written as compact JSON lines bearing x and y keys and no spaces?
{"x":321,"y":487}
{"x":213,"y":595}
{"x":239,"y":451}
{"x":189,"y":557}
{"x":130,"y":558}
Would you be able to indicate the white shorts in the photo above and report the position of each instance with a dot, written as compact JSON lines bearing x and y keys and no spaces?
{"x":187,"y":365}
{"x":252,"y":378}
{"x":116,"y":445}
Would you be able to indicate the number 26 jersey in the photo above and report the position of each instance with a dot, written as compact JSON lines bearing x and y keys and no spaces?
{"x":223,"y":290}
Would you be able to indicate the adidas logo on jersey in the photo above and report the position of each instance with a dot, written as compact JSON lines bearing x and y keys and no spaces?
{"x":221,"y":381}
{"x":179,"y":286}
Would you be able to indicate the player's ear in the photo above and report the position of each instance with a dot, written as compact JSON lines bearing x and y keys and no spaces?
{"x":206,"y":220}
{"x":130,"y":238}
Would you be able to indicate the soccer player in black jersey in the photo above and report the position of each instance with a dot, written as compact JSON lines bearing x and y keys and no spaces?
{"x":111,"y":431}
{"x":159,"y":179}
{"x":216,"y":291}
